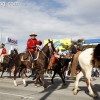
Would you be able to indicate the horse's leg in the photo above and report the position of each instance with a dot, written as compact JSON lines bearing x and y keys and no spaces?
{"x":3,"y":71}
{"x":63,"y":72}
{"x":53,"y":77}
{"x":42,"y":79}
{"x":10,"y":75}
{"x":61,"y":75}
{"x":22,"y":75}
{"x":88,"y":77}
{"x":37,"y":77}
{"x":19,"y":71}
{"x":15,"y":73}
{"x":48,"y":73}
{"x":79,"y":75}
{"x":25,"y":74}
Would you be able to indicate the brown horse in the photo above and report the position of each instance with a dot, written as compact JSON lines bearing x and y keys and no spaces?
{"x":17,"y":64}
{"x":43,"y":60}
{"x":39,"y":64}
{"x":7,"y":60}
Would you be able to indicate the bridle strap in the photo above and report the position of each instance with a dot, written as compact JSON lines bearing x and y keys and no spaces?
{"x":45,"y":55}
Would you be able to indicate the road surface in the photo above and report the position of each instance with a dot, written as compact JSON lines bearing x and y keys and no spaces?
{"x":56,"y":91}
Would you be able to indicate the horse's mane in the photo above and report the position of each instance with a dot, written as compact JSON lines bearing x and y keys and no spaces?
{"x":96,"y":53}
{"x":44,"y":46}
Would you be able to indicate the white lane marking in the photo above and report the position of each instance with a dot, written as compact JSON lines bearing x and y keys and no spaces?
{"x":22,"y":96}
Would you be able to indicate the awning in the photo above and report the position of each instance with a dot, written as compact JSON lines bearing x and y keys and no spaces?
{"x":92,"y":41}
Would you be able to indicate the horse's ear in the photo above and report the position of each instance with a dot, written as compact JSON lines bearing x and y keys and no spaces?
{"x":49,"y":40}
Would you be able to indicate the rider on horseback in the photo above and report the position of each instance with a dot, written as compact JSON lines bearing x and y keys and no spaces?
{"x":53,"y":58}
{"x":3,"y":52}
{"x":31,"y":44}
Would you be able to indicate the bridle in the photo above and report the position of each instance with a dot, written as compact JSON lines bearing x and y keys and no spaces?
{"x":50,"y":49}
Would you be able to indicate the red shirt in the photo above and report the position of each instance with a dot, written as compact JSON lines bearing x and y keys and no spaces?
{"x":3,"y":51}
{"x":31,"y":43}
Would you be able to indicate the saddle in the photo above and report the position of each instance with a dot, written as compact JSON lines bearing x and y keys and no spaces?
{"x":28,"y":56}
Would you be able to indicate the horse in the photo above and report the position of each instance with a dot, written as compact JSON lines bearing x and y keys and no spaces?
{"x":87,"y":59}
{"x":39,"y":64}
{"x":59,"y":67}
{"x":7,"y":60}
{"x":19,"y":63}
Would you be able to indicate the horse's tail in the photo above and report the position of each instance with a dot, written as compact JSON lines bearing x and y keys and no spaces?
{"x":73,"y":65}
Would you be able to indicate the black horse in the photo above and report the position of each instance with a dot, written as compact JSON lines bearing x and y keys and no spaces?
{"x":7,"y":60}
{"x":59,"y":67}
{"x":39,"y":64}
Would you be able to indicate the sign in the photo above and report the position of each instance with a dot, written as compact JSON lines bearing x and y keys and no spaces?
{"x":11,"y":41}
{"x":59,"y":43}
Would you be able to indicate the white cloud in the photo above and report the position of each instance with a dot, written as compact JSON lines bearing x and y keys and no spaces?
{"x":72,"y":19}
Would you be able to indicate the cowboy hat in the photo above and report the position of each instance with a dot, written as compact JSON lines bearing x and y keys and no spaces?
{"x":33,"y":34}
{"x":3,"y":44}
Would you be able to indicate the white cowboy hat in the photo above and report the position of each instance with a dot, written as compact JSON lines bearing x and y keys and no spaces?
{"x":3,"y":44}
{"x":33,"y":34}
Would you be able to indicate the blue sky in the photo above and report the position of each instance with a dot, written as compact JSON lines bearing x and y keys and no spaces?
{"x":53,"y":19}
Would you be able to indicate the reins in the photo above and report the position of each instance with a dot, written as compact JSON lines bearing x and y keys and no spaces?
{"x":45,"y":55}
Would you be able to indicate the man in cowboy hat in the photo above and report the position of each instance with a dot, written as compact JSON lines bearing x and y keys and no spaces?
{"x":31,"y":44}
{"x":3,"y":52}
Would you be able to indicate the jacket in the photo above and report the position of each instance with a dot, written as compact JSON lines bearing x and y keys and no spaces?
{"x":31,"y":44}
{"x":3,"y":51}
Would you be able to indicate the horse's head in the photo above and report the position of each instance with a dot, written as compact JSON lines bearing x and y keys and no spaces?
{"x":96,"y":53}
{"x":51,"y":46}
{"x":14,"y":52}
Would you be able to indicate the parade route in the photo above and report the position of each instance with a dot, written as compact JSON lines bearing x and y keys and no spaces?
{"x":56,"y":91}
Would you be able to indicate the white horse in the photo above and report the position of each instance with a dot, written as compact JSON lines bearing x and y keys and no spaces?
{"x":85,"y":61}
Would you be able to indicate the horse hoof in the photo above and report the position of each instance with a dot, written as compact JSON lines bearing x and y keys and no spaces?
{"x":24,"y":85}
{"x":35,"y":86}
{"x":45,"y":87}
{"x":16,"y":85}
{"x":75,"y":93}
{"x":52,"y":82}
{"x":94,"y":96}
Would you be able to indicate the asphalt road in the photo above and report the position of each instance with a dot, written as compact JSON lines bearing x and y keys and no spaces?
{"x":56,"y":91}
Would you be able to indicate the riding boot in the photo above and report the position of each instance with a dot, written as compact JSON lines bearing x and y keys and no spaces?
{"x":32,"y":57}
{"x":32,"y":60}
